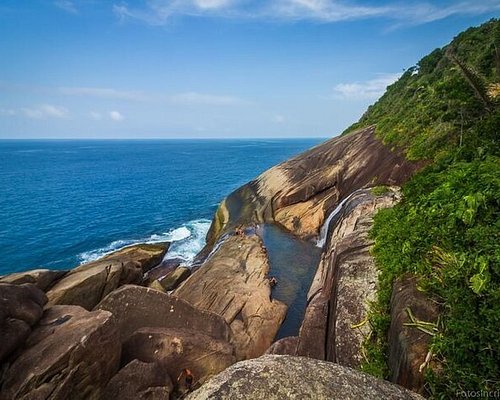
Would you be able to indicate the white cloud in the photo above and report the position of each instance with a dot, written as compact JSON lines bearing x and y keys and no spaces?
{"x":116,"y":116}
{"x":105,"y":93}
{"x":158,"y":12}
{"x":66,"y":5}
{"x":45,"y":111}
{"x":194,"y":98}
{"x":367,"y":90}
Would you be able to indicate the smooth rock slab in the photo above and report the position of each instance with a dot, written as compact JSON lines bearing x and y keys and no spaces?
{"x":139,"y":381}
{"x":21,"y":306}
{"x":71,"y":354}
{"x":176,"y":349}
{"x":136,"y":307}
{"x":297,"y":378}
{"x":41,"y":278}
{"x":87,"y":284}
{"x":234,"y":284}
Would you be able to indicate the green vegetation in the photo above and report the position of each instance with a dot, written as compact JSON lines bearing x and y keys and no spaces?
{"x":379,"y":190}
{"x":447,"y":228}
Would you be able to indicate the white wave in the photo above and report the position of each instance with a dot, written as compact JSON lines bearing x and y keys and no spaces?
{"x":186,"y":241}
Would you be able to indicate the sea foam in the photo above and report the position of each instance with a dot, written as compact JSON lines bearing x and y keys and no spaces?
{"x":186,"y":241}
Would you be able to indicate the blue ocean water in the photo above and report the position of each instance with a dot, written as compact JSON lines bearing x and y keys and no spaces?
{"x":66,"y":202}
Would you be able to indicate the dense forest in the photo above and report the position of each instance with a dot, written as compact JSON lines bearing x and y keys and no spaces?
{"x":446,"y":229}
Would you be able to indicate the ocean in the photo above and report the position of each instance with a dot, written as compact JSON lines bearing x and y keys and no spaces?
{"x":66,"y":202}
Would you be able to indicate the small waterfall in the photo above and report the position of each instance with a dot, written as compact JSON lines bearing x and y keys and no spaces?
{"x":323,"y":233}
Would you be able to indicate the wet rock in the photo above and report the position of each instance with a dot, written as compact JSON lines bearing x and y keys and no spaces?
{"x":72,"y":353}
{"x":136,"y":307}
{"x":41,"y":278}
{"x":139,"y":381}
{"x":296,"y":378}
{"x":161,"y":270}
{"x":300,"y":192}
{"x":177,"y":349}
{"x":175,"y":278}
{"x":21,"y":306}
{"x":234,"y":284}
{"x":409,"y":346}
{"x":87,"y":284}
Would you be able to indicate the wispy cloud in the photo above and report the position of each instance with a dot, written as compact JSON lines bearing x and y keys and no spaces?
{"x":367,"y":90}
{"x":105,"y":93}
{"x":44,"y":111}
{"x":158,"y":12}
{"x":116,"y":116}
{"x":194,"y":98}
{"x":66,"y":5}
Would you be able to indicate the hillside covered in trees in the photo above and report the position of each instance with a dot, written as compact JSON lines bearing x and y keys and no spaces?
{"x":447,"y":229}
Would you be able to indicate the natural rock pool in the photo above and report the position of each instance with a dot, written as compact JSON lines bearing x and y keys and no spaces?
{"x":293,"y":263}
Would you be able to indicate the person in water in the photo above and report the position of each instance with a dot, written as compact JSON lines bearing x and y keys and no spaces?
{"x":273,"y":281}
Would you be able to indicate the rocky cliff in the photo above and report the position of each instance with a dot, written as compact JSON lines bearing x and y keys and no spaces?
{"x":110,"y":328}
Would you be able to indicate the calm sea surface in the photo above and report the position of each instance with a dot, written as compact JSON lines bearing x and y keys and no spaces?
{"x":66,"y":202}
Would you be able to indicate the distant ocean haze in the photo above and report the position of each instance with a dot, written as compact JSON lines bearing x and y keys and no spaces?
{"x":67,"y":202}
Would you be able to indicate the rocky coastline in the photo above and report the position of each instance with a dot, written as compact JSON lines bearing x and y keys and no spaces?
{"x":131,"y":326}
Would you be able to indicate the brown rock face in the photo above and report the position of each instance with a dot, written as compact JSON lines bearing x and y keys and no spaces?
{"x":71,"y":354}
{"x":296,"y":378}
{"x":233,"y":283}
{"x":87,"y":284}
{"x":21,"y":306}
{"x":136,"y":307}
{"x":41,"y":278}
{"x":177,"y":349}
{"x":334,"y":325}
{"x":139,"y":381}
{"x":300,"y":192}
{"x":408,"y":346}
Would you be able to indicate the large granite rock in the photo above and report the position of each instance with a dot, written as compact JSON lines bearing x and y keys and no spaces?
{"x":71,"y":354}
{"x":177,"y":349}
{"x":136,"y":307}
{"x":21,"y":306}
{"x":335,"y":322}
{"x":172,"y":280}
{"x":41,"y":278}
{"x":409,"y":345}
{"x":87,"y":284}
{"x":139,"y":381}
{"x":234,"y":284}
{"x":296,"y":378}
{"x":299,"y":193}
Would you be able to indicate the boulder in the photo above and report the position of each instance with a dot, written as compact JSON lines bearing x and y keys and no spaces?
{"x":157,"y":286}
{"x":139,"y":381}
{"x":300,"y":192}
{"x":72,"y":353}
{"x":21,"y":306}
{"x":233,"y":283}
{"x":177,"y":349}
{"x":408,"y":345}
{"x":285,"y":346}
{"x":175,"y":278}
{"x":296,"y":378}
{"x":136,"y":307}
{"x":41,"y":278}
{"x":87,"y":284}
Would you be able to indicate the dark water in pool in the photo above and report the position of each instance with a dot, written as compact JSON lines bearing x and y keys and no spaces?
{"x":293,"y":262}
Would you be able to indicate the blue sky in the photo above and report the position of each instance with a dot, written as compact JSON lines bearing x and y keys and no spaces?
{"x":210,"y":68}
